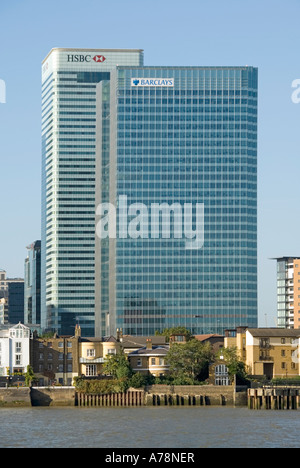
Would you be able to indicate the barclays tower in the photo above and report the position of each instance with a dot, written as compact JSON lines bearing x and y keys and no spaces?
{"x":173,"y":142}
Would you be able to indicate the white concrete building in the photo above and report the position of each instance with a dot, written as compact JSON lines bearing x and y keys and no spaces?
{"x":14,"y":349}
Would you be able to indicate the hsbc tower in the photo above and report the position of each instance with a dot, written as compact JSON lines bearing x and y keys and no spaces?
{"x":69,"y":79}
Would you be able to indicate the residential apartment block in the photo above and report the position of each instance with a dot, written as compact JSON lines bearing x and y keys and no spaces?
{"x":270,"y":352}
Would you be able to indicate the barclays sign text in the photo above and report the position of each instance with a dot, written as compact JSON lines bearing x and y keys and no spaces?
{"x":152,"y":82}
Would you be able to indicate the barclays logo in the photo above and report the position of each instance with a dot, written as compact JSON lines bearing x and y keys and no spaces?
{"x":153,"y":82}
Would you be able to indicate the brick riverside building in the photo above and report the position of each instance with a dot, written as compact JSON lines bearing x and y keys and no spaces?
{"x":56,"y":359}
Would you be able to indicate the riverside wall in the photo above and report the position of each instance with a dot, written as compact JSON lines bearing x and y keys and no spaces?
{"x":155,"y":395}
{"x":195,"y":395}
{"x":15,"y":397}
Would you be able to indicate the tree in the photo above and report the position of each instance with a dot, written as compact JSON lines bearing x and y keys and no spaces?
{"x":233,"y":362}
{"x":29,"y":376}
{"x":189,"y":361}
{"x":167,"y":332}
{"x":117,"y":365}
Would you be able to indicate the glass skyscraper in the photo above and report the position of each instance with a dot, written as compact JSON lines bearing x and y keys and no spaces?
{"x":32,"y":284}
{"x":178,"y":136}
{"x":69,"y":78}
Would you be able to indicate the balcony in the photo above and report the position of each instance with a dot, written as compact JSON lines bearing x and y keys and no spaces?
{"x":91,"y":360}
{"x":266,"y":358}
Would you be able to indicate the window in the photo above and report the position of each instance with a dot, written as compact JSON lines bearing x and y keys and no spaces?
{"x":91,"y":370}
{"x":282,"y":340}
{"x":139,"y":362}
{"x":91,"y":352}
{"x":112,"y":351}
{"x":153,"y":361}
{"x":60,"y":344}
{"x":18,"y":359}
{"x":282,"y":352}
{"x":221,"y":375}
{"x":283,"y":365}
{"x":18,"y":347}
{"x":161,"y":362}
{"x":69,"y":344}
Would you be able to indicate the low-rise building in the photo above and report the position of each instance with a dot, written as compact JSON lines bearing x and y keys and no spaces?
{"x":269,"y":352}
{"x":133,"y":343}
{"x":216,"y":341}
{"x":14,"y":349}
{"x":150,"y":359}
{"x":93,"y":352}
{"x":55,"y":359}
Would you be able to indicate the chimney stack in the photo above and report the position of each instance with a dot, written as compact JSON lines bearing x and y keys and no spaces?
{"x":149,"y":343}
{"x":77,"y":331}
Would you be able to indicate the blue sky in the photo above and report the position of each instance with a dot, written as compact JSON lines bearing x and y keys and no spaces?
{"x":261,"y":33}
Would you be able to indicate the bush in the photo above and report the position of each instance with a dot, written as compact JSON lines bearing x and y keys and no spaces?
{"x":101,"y":387}
{"x":137,"y":381}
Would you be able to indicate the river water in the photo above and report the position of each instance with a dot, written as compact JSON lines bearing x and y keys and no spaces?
{"x":148,"y":427}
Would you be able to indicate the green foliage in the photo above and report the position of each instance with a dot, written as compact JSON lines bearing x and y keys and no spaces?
{"x":137,"y":381}
{"x":167,"y":332}
{"x":233,"y":362}
{"x":102,"y":387}
{"x":189,"y":362}
{"x":30,"y":378}
{"x":118,"y":366}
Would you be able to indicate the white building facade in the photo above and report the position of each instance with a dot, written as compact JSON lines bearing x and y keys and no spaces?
{"x":14,"y":349}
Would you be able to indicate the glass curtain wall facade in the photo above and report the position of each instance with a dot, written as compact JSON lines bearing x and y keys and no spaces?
{"x":69,"y":79}
{"x":179,"y":135}
{"x":32,"y":284}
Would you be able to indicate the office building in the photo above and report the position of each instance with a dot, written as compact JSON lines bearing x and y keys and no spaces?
{"x":69,"y":79}
{"x":288,"y":292}
{"x":12,"y":299}
{"x":185,"y":137}
{"x":15,"y":298}
{"x":32,"y":286}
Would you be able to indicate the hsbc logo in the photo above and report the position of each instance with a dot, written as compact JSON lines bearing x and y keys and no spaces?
{"x":86,"y":58}
{"x":99,"y":58}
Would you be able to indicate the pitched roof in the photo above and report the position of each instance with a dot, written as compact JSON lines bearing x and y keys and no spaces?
{"x":140,"y":341}
{"x":274,"y":332}
{"x":155,"y":351}
{"x":208,"y":336}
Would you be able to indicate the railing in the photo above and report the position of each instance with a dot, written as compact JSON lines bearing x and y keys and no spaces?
{"x":87,"y":360}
